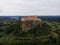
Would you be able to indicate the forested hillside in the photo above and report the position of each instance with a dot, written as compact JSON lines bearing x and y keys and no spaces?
{"x":45,"y":33}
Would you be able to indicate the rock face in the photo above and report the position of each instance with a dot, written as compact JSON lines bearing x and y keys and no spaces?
{"x":29,"y":22}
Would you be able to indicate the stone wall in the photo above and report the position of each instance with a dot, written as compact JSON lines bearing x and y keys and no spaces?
{"x":28,"y":24}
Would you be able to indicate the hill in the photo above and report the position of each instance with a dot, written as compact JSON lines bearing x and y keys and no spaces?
{"x":42,"y":33}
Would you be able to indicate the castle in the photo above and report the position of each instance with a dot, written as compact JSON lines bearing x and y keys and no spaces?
{"x":29,"y":22}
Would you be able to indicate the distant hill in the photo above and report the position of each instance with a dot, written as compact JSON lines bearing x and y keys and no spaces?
{"x":46,"y":18}
{"x":50,"y":18}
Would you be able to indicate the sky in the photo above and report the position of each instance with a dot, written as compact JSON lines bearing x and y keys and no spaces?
{"x":29,"y":7}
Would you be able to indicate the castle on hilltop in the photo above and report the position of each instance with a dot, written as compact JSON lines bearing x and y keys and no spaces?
{"x":28,"y":18}
{"x":29,"y":22}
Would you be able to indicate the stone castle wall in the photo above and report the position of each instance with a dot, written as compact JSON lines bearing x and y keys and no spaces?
{"x":29,"y":23}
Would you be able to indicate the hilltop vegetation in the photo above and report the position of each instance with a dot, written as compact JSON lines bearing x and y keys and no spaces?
{"x":46,"y":33}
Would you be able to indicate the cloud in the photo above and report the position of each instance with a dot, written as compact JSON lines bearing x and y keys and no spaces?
{"x":30,"y":7}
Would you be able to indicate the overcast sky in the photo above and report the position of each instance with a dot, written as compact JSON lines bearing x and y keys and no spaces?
{"x":29,"y":7}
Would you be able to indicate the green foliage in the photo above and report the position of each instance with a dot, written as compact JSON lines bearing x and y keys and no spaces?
{"x":42,"y":34}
